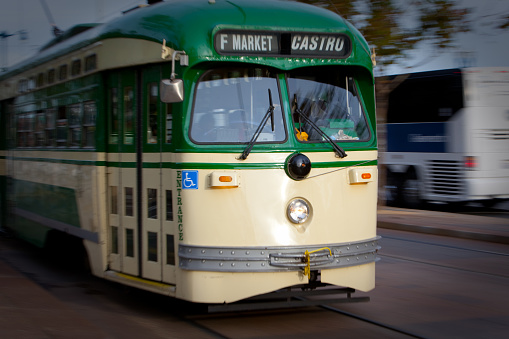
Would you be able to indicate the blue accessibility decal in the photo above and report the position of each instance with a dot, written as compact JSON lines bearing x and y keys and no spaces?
{"x":190,"y":180}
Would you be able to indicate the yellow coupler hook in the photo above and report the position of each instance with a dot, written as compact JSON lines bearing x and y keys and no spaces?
{"x":307,"y":260}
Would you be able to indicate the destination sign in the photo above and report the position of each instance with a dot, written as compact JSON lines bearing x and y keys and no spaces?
{"x":239,"y":42}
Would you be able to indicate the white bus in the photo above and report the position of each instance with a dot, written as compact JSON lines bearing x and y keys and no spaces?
{"x":448,"y":137}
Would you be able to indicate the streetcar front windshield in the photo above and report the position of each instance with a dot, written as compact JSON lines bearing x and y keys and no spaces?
{"x":230,"y":104}
{"x":330,"y":100}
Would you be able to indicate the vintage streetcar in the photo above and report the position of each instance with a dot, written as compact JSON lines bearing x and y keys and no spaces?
{"x":211,"y":151}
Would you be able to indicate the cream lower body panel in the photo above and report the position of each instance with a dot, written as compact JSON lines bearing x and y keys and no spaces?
{"x":227,"y":287}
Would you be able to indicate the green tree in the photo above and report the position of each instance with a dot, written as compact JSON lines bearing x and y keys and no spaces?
{"x":396,"y":27}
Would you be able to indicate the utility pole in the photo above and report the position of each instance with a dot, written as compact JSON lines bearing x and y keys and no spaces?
{"x":4,"y":35}
{"x":56,"y":31}
{"x":3,"y":47}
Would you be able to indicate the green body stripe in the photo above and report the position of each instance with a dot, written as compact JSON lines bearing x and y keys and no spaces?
{"x":198,"y":165}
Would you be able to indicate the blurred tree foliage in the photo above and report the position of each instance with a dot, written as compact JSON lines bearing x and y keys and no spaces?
{"x":396,"y":27}
{"x":505,"y":22}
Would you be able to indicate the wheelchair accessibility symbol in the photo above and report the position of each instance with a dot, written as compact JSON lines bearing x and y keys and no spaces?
{"x":190,"y":180}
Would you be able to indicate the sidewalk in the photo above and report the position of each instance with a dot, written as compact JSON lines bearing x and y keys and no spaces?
{"x":464,"y":226}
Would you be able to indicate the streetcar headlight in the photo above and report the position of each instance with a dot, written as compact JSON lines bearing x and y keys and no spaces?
{"x":298,"y":211}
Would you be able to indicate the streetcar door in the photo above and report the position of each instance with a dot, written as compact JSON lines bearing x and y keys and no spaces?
{"x":152,"y":189}
{"x":121,"y":170}
{"x":141,"y":225}
{"x":158,"y":226}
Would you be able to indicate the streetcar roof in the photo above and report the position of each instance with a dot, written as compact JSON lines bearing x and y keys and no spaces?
{"x":189,"y":25}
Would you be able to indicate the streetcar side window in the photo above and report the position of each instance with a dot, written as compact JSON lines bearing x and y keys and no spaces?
{"x":114,"y":199}
{"x":152,"y":113}
{"x":31,"y":83}
{"x":169,"y":205}
{"x":114,"y":118}
{"x":25,"y":130}
{"x":40,"y":80}
{"x":62,"y":72}
{"x":89,"y":121}
{"x":31,"y":129}
{"x":170,"y":249}
{"x":152,"y":203}
{"x":129,"y":203}
{"x":169,"y":122}
{"x":75,"y":125}
{"x":90,"y":63}
{"x":40,"y":124}
{"x":152,"y":246}
{"x":62,"y":127}
{"x":22,"y":86}
{"x":129,"y":242}
{"x":50,"y":128}
{"x":11,"y":131}
{"x":22,"y":130}
{"x":128,"y":115}
{"x":51,"y":76}
{"x":114,"y":239}
{"x":76,"y":68}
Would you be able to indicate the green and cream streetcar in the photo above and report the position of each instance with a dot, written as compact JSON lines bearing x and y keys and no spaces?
{"x":207,"y":150}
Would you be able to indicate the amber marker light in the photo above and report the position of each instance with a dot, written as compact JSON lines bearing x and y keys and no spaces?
{"x":366,"y":176}
{"x":225,"y":178}
{"x":360,"y":175}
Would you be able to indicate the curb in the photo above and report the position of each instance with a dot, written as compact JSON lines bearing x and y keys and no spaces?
{"x":496,"y":238}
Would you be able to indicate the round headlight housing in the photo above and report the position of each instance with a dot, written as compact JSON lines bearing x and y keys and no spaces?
{"x":298,"y":166}
{"x":298,"y":211}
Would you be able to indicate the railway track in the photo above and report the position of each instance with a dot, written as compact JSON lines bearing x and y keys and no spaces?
{"x":209,"y":322}
{"x":372,"y":322}
{"x":125,"y":310}
{"x":497,"y":254}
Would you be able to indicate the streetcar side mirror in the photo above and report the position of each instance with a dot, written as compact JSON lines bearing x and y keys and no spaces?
{"x":171,"y":90}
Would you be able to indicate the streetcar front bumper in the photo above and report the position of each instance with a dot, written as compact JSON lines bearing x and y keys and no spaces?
{"x":277,"y":259}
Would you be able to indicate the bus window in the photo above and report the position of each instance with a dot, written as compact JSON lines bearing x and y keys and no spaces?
{"x":330,"y":100}
{"x":230,"y":104}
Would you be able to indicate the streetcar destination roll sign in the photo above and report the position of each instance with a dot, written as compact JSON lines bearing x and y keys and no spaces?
{"x":259,"y":43}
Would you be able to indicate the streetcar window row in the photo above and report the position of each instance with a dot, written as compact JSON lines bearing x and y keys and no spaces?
{"x":151,"y":203}
{"x":71,"y":126}
{"x":151,"y":237}
{"x":152,"y":245}
{"x":55,"y":75}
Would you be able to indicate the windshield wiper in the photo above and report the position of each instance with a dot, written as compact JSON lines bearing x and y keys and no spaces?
{"x":269,"y":114}
{"x":338,"y":150}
